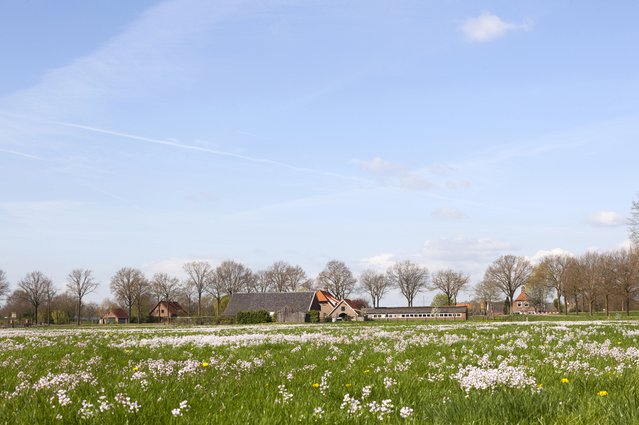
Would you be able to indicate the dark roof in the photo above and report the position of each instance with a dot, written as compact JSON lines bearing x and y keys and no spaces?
{"x":411,"y":310}
{"x":119,"y":313}
{"x":270,"y":301}
{"x":173,"y":307}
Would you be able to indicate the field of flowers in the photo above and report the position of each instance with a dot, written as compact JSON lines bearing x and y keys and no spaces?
{"x":542,"y":372}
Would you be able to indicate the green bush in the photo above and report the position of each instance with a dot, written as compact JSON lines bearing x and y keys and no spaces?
{"x":251,"y":317}
{"x":313,"y":316}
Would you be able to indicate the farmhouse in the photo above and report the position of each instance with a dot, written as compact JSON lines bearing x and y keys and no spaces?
{"x":344,"y":310}
{"x":327,"y":303}
{"x":115,"y":316}
{"x":522,"y":304}
{"x":286,"y":306}
{"x":167,"y":309}
{"x":417,"y":313}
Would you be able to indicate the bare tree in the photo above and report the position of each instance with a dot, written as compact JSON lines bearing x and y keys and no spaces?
{"x":409,"y":277}
{"x":4,"y":284}
{"x":488,"y":293}
{"x":233,"y":276}
{"x":125,"y":286}
{"x":34,"y":290}
{"x":627,"y":273}
{"x":590,"y":274}
{"x":277,"y":277}
{"x":217,"y":288}
{"x":164,"y":286}
{"x":607,"y":278}
{"x":450,"y":283}
{"x":375,"y":284}
{"x":261,"y":281}
{"x":337,"y":278}
{"x":297,"y":279}
{"x":49,"y":293}
{"x":80,"y":282}
{"x":633,"y":223}
{"x":573,"y":284}
{"x":509,"y":273}
{"x":141,"y":289}
{"x":187,"y":292}
{"x":552,"y":269}
{"x":282,"y":277}
{"x":537,"y":289}
{"x":198,"y":272}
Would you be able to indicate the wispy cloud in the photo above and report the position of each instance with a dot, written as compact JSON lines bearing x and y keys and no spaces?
{"x":395,"y":173}
{"x":488,"y":27}
{"x":464,"y":249}
{"x":607,"y":219}
{"x":448,"y":214}
{"x":378,"y":262}
{"x":377,"y":165}
{"x":539,"y":255}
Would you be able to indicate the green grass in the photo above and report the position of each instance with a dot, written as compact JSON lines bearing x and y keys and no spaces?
{"x":414,"y":365}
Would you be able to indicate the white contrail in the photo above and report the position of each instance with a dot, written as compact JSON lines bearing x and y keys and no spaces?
{"x":207,"y":150}
{"x":22,"y":154}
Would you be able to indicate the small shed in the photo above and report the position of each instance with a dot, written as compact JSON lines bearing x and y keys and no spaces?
{"x":115,"y":316}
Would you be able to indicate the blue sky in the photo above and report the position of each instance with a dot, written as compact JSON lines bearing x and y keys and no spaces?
{"x":447,"y":133}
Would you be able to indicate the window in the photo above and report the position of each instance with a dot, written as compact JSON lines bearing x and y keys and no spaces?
{"x":519,"y":304}
{"x":526,"y":304}
{"x":343,"y":308}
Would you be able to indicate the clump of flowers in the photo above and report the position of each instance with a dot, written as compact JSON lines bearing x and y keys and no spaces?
{"x":366,"y":391}
{"x":473,"y":377}
{"x":351,"y":405}
{"x":389,"y":382}
{"x":406,"y":412}
{"x":565,"y":380}
{"x":283,"y":395}
{"x":381,"y":409}
{"x":183,"y":407}
{"x":602,"y":393}
{"x":318,"y":412}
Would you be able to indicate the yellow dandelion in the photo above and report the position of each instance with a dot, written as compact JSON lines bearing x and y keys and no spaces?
{"x":135,"y":369}
{"x":315,"y":385}
{"x":602,"y":393}
{"x":347,"y":385}
{"x":204,"y":364}
{"x":564,"y":380}
{"x":367,"y":371}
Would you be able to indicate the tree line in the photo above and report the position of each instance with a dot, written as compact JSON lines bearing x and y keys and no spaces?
{"x":589,"y":282}
{"x":206,"y":287}
{"x":585,"y":283}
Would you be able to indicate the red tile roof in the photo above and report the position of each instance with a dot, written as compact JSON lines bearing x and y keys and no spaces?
{"x":522,"y":296}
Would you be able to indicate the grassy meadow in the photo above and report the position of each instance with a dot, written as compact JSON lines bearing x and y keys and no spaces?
{"x":577,"y":372}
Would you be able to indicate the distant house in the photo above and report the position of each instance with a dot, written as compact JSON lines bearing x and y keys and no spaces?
{"x":522,"y":305}
{"x":345,"y":310}
{"x":327,"y":303}
{"x":167,"y":309}
{"x":115,"y":316}
{"x":286,"y":306}
{"x":417,"y":313}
